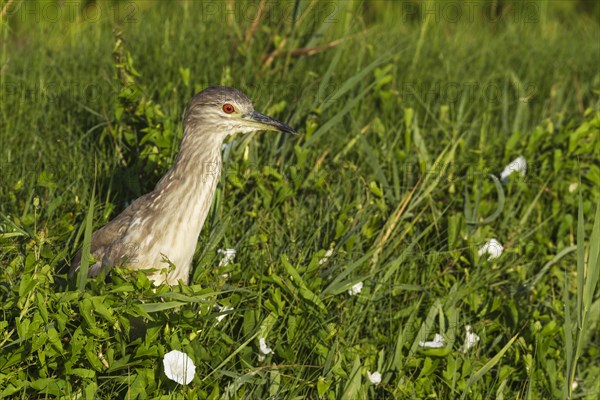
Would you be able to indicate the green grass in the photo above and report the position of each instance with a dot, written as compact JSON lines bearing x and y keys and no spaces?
{"x":401,"y":123}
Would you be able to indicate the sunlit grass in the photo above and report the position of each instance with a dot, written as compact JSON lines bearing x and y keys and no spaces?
{"x":407,"y":120}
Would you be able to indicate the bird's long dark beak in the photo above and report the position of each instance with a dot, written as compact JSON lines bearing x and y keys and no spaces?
{"x":267,"y":123}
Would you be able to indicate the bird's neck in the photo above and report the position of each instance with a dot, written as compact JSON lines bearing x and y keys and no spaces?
{"x":197,"y":165}
{"x":185,"y":193}
{"x":187,"y":190}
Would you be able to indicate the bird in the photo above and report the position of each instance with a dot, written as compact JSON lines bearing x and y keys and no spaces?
{"x":162,"y":227}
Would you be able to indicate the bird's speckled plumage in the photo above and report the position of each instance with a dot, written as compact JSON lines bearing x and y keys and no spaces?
{"x":163,"y":226}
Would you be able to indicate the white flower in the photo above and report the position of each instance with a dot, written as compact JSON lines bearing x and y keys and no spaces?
{"x":356,"y":289}
{"x":471,"y":339}
{"x":179,"y":367}
{"x":492,"y":248}
{"x":263,"y":346}
{"x":223,"y":310}
{"x":326,"y":257}
{"x":374,"y":377}
{"x":438,"y":341}
{"x":517,"y":165}
{"x":573,"y":187}
{"x":228,"y":256}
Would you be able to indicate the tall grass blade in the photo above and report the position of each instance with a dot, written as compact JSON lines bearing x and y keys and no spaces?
{"x":568,"y":328}
{"x":592,"y":271}
{"x":354,"y":381}
{"x":580,"y":262}
{"x":87,"y":244}
{"x":587,"y":280}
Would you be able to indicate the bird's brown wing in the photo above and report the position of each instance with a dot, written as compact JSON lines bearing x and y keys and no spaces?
{"x":103,"y":239}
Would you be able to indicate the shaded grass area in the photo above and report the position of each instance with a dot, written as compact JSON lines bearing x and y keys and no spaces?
{"x":403,"y":112}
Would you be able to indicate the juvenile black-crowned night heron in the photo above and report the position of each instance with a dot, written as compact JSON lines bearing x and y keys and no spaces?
{"x":165,"y":223}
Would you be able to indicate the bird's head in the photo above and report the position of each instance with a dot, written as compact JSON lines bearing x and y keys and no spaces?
{"x":227,"y":111}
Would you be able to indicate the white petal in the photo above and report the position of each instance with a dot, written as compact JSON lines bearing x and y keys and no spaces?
{"x":263,"y":346}
{"x":179,"y":367}
{"x":356,"y":289}
{"x":573,"y":187}
{"x":517,"y":165}
{"x":222,"y":309}
{"x":326,"y":257}
{"x":471,"y":339}
{"x":374,"y":377}
{"x":438,"y":341}
{"x":492,"y":248}
{"x":228,"y":256}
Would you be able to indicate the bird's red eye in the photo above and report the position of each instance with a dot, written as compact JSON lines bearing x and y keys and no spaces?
{"x":228,"y":108}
